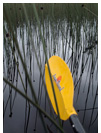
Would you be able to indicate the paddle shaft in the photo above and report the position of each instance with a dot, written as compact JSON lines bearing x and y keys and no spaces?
{"x":76,"y":125}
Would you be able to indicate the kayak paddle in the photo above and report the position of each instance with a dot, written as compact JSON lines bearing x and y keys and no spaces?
{"x":64,"y":91}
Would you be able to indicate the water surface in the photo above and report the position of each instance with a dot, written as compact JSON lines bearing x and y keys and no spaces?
{"x":71,"y":32}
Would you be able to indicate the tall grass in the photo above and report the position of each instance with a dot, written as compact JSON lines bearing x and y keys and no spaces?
{"x":35,"y":32}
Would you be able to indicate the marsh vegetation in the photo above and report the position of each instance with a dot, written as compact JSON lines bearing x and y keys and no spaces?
{"x":32,"y":34}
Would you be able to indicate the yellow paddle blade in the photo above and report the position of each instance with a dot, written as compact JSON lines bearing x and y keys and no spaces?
{"x":63,"y":87}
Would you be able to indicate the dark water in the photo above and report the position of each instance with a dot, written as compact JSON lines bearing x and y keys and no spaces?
{"x":71,"y":32}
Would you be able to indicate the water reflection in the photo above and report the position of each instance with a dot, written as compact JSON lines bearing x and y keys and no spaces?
{"x":74,"y":40}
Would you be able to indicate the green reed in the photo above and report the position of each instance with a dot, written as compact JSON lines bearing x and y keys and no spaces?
{"x":77,"y":47}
